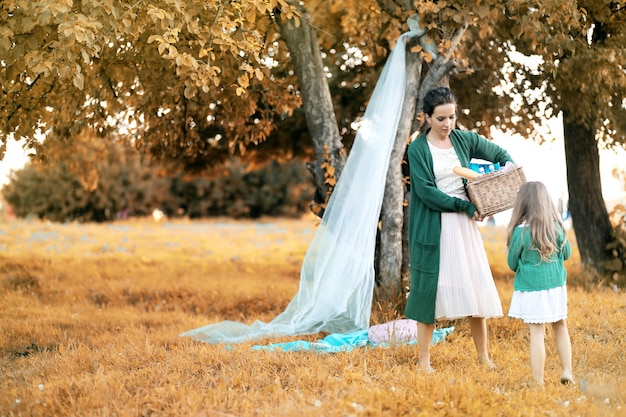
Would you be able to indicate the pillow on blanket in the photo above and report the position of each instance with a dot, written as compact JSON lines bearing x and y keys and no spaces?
{"x":396,"y":331}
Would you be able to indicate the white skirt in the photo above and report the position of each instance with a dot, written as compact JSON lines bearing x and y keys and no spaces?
{"x":545,"y":306}
{"x":466,"y":287}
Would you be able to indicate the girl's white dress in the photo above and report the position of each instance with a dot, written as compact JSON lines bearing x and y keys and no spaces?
{"x":543,"y":306}
{"x":466,"y":287}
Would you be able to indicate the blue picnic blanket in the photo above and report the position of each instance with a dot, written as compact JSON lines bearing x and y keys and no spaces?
{"x":343,"y":342}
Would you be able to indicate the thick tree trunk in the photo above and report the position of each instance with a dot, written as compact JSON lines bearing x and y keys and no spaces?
{"x":586,"y":203}
{"x":316,"y":102}
{"x":390,"y":287}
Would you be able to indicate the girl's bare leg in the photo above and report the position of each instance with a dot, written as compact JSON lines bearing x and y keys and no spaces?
{"x":424,"y":336}
{"x":478,"y":326}
{"x":537,"y":351}
{"x":564,"y":349}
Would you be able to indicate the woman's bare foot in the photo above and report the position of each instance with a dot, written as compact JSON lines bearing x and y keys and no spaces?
{"x":425,"y":368}
{"x":486,"y":361}
{"x":536,"y":384}
{"x":423,"y":364}
{"x":488,"y":364}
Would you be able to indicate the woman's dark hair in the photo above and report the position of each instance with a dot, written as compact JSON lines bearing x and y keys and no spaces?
{"x":436,"y":97}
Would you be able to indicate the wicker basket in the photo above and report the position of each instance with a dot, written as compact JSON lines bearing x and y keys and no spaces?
{"x":496,"y":191}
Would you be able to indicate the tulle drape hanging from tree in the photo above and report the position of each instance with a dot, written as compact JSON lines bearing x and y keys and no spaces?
{"x":337,"y":275}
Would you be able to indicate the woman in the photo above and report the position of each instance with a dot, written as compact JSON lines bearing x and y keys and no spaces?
{"x":450,"y":273}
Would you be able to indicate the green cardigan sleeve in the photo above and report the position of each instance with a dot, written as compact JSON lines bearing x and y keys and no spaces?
{"x":470,"y":145}
{"x":566,"y":247}
{"x":423,"y":181}
{"x":467,"y":145}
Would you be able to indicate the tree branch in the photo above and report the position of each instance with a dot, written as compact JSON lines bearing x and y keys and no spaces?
{"x":455,"y":40}
{"x":436,"y":73}
{"x":442,"y":65}
{"x":389,"y":7}
{"x":405,"y":4}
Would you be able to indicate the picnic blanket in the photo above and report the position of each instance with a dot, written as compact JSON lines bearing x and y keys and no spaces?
{"x":402,"y":331}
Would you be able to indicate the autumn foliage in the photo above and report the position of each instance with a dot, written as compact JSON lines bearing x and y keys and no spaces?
{"x":91,"y":316}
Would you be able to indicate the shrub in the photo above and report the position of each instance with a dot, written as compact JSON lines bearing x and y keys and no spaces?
{"x":272,"y":190}
{"x":127,"y":187}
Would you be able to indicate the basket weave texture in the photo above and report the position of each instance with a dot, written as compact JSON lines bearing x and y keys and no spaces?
{"x":496,"y":191}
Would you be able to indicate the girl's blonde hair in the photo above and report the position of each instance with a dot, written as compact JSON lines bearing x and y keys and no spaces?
{"x":534,"y":207}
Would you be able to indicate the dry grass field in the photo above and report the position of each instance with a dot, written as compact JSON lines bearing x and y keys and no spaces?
{"x":90,"y":318}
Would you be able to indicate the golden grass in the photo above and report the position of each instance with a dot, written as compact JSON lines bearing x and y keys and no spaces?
{"x":90,"y":318}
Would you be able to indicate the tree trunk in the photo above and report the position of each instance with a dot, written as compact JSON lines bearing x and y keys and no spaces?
{"x":586,"y":203}
{"x":390,"y":288}
{"x":316,"y":102}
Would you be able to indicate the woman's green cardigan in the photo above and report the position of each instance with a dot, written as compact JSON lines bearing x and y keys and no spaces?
{"x":425,"y":207}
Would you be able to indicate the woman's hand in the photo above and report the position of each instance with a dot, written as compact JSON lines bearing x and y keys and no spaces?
{"x":477,"y":217}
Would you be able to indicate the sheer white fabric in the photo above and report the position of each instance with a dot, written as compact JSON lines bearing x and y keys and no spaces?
{"x":337,"y":274}
{"x":466,"y":286}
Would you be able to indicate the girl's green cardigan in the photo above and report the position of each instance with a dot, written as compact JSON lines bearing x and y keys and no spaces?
{"x":425,"y":207}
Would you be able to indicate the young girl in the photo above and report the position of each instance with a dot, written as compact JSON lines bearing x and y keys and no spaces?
{"x":537,"y":247}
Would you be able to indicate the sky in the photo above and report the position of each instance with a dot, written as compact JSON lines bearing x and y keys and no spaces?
{"x":14,"y":159}
{"x":546,"y":163}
